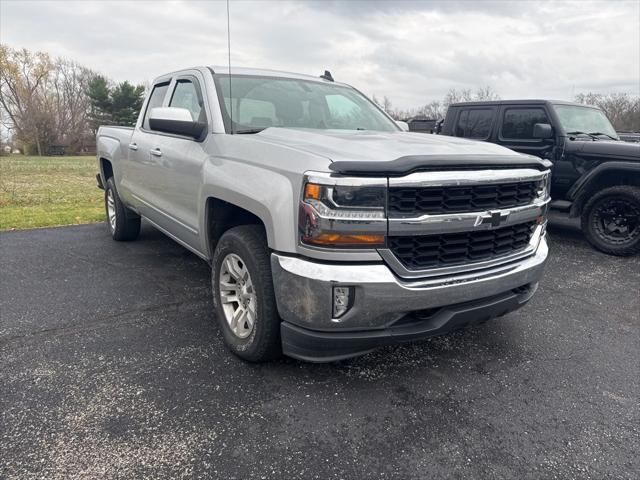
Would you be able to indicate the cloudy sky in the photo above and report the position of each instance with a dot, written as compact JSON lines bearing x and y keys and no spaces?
{"x":412,"y":52}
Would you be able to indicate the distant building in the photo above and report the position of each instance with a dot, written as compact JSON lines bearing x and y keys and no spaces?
{"x":56,"y":150}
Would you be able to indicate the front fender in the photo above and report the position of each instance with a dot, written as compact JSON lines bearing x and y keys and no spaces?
{"x":583,"y":185}
{"x":270,"y":195}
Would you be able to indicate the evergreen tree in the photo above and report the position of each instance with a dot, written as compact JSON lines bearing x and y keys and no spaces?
{"x":119,"y":105}
{"x":126,"y":103}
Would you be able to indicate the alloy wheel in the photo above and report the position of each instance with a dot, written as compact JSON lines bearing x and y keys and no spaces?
{"x":111,"y":209}
{"x":237,"y":295}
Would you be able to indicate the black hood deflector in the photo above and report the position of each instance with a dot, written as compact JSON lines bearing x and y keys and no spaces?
{"x":412,"y":163}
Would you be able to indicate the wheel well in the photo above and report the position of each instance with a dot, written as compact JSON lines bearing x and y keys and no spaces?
{"x":221,"y":216}
{"x":107,"y":168}
{"x":606,"y":179}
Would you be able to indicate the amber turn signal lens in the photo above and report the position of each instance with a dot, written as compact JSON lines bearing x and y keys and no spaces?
{"x":312,"y":190}
{"x":329,"y":239}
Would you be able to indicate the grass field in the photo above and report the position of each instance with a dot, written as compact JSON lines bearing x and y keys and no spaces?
{"x":48,"y":191}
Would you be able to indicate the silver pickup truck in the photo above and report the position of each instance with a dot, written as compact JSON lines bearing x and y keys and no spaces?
{"x":330,"y":231}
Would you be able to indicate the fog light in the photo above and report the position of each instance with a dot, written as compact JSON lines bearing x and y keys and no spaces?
{"x":342,"y":297}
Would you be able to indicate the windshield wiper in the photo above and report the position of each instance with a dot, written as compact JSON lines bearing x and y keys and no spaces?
{"x":249,"y":130}
{"x":605,"y":134}
{"x":578,"y":132}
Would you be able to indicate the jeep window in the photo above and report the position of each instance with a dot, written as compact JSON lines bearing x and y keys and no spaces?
{"x":155,"y":100}
{"x":518,"y":123}
{"x":258,"y":102}
{"x":474,"y":123}
{"x":575,"y":118}
{"x":186,"y":95}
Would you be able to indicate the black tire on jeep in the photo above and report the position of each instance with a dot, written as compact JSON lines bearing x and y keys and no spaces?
{"x":611,"y":220}
{"x":124,"y":224}
{"x":243,"y":295}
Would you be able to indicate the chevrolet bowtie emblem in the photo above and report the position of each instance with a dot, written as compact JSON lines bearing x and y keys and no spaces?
{"x":495,"y":218}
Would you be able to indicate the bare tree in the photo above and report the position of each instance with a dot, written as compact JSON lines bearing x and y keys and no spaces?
{"x":23,"y":79}
{"x":44,"y":101}
{"x":622,"y":109}
{"x":72,"y":105}
{"x":437,"y":109}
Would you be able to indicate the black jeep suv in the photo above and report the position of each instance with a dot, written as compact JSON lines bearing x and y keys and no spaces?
{"x":595,"y":175}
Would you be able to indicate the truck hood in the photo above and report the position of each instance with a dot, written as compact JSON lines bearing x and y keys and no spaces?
{"x":608,"y":149}
{"x":395,"y":152}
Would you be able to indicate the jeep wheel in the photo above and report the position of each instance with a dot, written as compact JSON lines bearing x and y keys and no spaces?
{"x":611,"y":220}
{"x":124,"y":224}
{"x":243,"y":296}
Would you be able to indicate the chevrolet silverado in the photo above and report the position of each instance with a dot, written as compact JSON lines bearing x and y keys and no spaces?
{"x":330,"y":230}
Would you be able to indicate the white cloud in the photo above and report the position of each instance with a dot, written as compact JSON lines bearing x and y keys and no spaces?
{"x":412,"y":52}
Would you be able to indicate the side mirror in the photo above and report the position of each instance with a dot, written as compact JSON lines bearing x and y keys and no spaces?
{"x":437,"y":128}
{"x":177,"y":121}
{"x":542,"y":131}
{"x":404,"y":126}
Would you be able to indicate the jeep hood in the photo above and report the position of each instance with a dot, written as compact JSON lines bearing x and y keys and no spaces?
{"x":608,"y":149}
{"x":367,"y":152}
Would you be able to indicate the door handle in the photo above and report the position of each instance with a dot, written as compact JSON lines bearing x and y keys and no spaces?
{"x":155,"y":152}
{"x":133,"y":146}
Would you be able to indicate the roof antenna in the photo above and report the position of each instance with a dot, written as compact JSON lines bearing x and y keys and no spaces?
{"x":326,"y":75}
{"x":229,"y":53}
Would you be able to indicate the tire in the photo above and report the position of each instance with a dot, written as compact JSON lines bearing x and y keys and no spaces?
{"x":123,"y":224}
{"x":611,"y":220}
{"x":244,"y":248}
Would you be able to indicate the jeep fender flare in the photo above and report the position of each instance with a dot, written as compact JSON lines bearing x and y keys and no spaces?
{"x":578,"y":191}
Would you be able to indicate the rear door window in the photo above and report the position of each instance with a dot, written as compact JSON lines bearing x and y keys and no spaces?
{"x":517,"y":123}
{"x":155,"y":100}
{"x":474,"y":123}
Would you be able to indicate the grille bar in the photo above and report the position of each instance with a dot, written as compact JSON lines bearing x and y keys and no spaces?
{"x":433,"y":251}
{"x":416,"y":201}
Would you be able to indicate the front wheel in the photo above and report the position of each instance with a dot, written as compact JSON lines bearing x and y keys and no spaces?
{"x":243,"y":294}
{"x":611,"y":220}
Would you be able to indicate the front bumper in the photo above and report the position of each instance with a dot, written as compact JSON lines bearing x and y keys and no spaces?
{"x":317,"y":346}
{"x":303,"y":291}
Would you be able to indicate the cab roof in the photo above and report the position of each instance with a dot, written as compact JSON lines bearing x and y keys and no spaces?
{"x":264,"y":72}
{"x":519,"y":102}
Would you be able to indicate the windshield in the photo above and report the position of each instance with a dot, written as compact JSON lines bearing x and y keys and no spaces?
{"x":575,"y":118}
{"x":259,"y":102}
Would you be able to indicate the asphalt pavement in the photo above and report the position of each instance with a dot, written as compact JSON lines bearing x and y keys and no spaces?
{"x":111,"y":366}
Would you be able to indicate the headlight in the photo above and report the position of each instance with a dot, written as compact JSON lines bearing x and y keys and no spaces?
{"x":544,"y":186}
{"x":342,"y":212}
